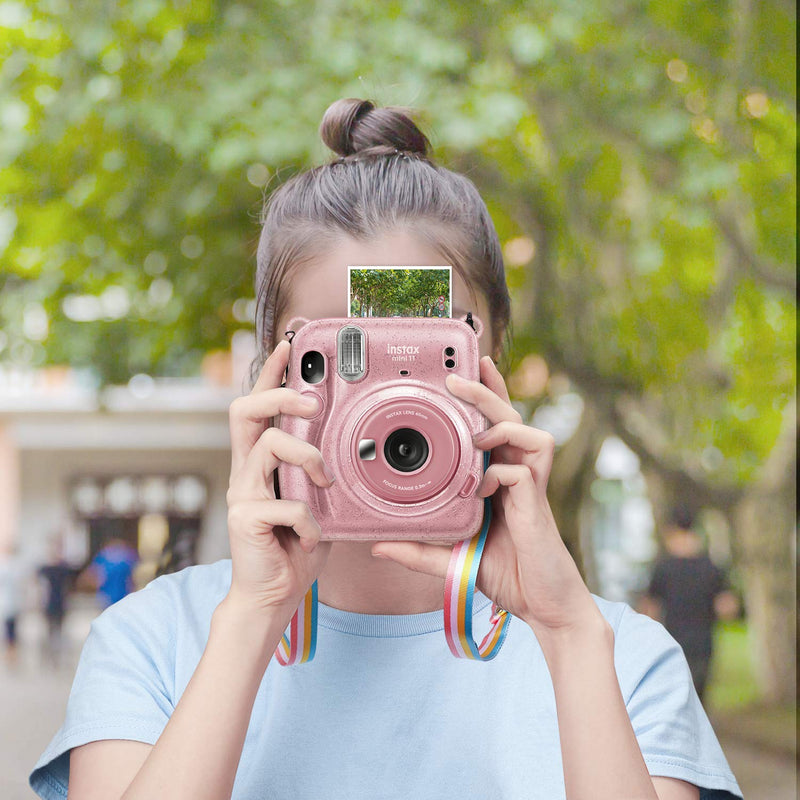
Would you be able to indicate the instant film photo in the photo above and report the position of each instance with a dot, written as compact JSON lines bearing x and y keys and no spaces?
{"x":399,"y":291}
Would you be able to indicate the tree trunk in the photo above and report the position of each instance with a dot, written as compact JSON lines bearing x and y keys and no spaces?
{"x":766,"y":528}
{"x":571,"y":476}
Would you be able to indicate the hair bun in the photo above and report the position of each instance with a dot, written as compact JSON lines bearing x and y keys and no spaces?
{"x":352,"y":126}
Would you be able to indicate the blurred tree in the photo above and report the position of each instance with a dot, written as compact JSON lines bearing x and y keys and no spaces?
{"x":638,"y":160}
{"x":652,"y":173}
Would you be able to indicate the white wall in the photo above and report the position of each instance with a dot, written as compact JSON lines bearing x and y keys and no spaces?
{"x":45,"y":477}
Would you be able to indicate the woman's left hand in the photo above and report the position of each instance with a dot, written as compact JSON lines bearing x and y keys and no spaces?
{"x":525,"y":567}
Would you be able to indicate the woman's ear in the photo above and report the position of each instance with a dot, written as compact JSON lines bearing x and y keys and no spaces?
{"x":477,"y":324}
{"x":294,"y":324}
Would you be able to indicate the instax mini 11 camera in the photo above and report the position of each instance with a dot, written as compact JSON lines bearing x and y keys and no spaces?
{"x":398,"y":442}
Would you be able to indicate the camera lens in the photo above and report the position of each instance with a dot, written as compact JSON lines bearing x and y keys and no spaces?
{"x":449,"y":363}
{"x":449,"y":351}
{"x":406,"y":449}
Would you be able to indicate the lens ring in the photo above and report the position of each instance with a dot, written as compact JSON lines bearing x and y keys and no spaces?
{"x":405,"y":450}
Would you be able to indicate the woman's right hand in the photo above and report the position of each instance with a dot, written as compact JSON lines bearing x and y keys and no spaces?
{"x":273,"y":565}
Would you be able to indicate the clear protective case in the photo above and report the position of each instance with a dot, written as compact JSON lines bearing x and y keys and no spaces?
{"x":398,"y":442}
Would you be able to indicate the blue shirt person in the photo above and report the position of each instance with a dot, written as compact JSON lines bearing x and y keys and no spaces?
{"x":383,"y":710}
{"x":113,"y":567}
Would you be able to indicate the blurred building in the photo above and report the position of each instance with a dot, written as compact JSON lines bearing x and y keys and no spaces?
{"x":148,"y":462}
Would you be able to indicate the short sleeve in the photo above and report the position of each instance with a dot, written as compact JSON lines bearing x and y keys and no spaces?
{"x":123,"y":687}
{"x":670,"y":723}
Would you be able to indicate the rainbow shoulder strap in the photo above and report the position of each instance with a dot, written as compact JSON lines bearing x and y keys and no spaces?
{"x":299,"y":646}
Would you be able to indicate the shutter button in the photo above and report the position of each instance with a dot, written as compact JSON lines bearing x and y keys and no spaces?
{"x":469,"y":485}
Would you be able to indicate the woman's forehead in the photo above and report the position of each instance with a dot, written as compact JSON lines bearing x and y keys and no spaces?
{"x":320,"y":288}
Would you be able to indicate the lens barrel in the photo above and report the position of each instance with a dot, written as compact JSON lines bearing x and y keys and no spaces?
{"x":405,"y":449}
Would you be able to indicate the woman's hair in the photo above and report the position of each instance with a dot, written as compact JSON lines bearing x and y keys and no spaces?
{"x":383,"y":180}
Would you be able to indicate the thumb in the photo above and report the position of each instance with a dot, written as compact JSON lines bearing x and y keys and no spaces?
{"x":432,"y":559}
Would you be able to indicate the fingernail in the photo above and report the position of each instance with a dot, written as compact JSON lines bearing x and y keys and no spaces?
{"x":328,"y":473}
{"x":381,"y":555}
{"x":457,"y":378}
{"x":479,"y":437}
{"x":310,"y":402}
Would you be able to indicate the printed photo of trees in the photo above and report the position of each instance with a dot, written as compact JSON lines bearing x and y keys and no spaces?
{"x":400,"y":292}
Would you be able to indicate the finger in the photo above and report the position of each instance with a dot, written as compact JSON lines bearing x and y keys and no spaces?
{"x":518,"y":508}
{"x":271,"y":375}
{"x":538,"y":447}
{"x":254,"y":480}
{"x":492,"y":407}
{"x":530,"y":439}
{"x":250,"y":415}
{"x":519,"y":481}
{"x":432,"y":559}
{"x":251,"y":517}
{"x":491,"y":377}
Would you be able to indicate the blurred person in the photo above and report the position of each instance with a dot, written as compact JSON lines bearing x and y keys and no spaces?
{"x":688,"y":592}
{"x":110,"y":572}
{"x":13,"y":574}
{"x":58,"y":576}
{"x":178,"y":553}
{"x":177,"y":693}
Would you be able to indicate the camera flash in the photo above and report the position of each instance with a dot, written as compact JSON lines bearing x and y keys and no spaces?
{"x":351,"y":352}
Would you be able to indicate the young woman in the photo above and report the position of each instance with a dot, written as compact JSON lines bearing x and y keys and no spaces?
{"x":177,"y":693}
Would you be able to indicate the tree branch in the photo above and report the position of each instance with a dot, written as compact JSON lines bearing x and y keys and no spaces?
{"x":771,"y":273}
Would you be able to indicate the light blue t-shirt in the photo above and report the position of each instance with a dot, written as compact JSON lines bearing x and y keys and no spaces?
{"x":384,"y":710}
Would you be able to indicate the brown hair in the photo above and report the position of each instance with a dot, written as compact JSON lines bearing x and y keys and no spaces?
{"x":383,"y":179}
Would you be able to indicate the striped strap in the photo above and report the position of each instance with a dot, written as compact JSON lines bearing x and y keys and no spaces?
{"x":303,"y":633}
{"x":459,"y":592}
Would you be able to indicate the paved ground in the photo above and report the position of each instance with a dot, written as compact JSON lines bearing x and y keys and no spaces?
{"x":33,"y":697}
{"x":761,"y":776}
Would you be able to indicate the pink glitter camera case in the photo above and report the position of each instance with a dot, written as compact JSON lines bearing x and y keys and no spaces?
{"x":398,"y":442}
